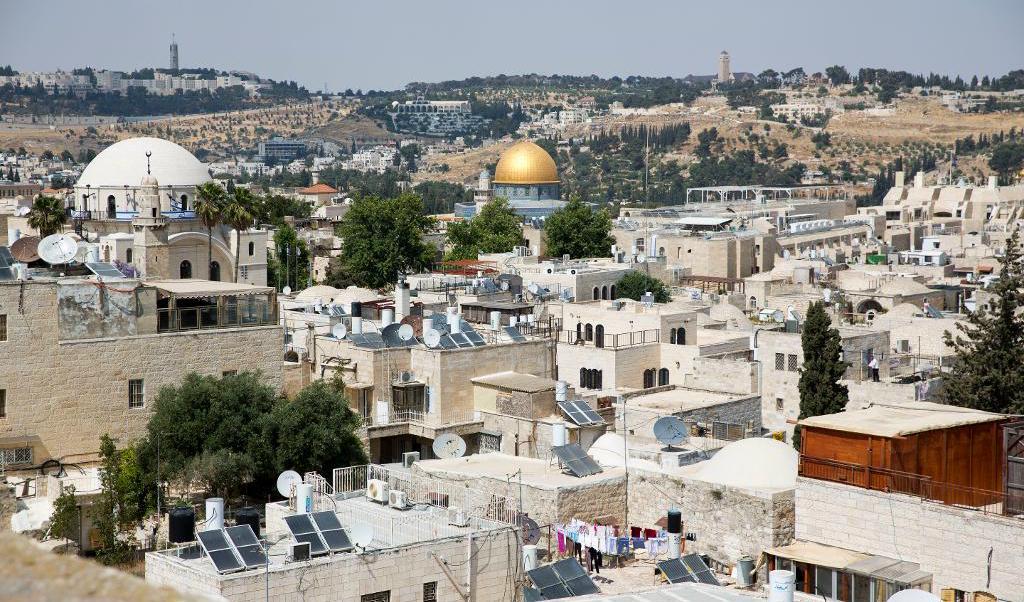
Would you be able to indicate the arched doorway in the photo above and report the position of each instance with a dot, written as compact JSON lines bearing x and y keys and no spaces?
{"x":185,"y":269}
{"x":869,"y":305}
{"x":214,"y":270}
{"x":604,"y":292}
{"x":599,"y":335}
{"x":184,"y":202}
{"x":111,"y":207}
{"x":597,"y":293}
{"x":588,"y":331}
{"x":662,"y":377}
{"x":613,"y":294}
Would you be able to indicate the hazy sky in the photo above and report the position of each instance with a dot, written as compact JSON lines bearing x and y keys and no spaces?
{"x":385,"y":44}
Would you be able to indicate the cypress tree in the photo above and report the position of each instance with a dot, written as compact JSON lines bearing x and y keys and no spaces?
{"x":820,"y":390}
{"x":989,"y":345}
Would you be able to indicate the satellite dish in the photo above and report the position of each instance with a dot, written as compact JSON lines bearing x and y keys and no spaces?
{"x":57,"y":249}
{"x":870,"y":315}
{"x":362,"y":535}
{"x":26,"y":249}
{"x":504,"y":285}
{"x":641,"y":258}
{"x":287,"y":290}
{"x":406,"y":332}
{"x":533,"y":288}
{"x":529,"y":529}
{"x":449,"y":445}
{"x":339,"y":331}
{"x":670,"y":430}
{"x":431,"y":338}
{"x":416,"y":322}
{"x":22,"y":211}
{"x":286,"y":480}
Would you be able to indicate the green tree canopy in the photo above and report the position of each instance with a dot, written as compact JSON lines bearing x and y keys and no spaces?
{"x":820,"y":390}
{"x":579,"y":231}
{"x":634,"y":284}
{"x":382,"y":237}
{"x":989,"y":345}
{"x":47,"y":215}
{"x":315,"y":431}
{"x":289,"y":265}
{"x":496,"y":229}
{"x":1007,"y":158}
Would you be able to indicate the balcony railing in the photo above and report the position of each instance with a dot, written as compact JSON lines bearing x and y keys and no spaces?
{"x":919,"y":486}
{"x":228,"y":315}
{"x":610,"y":341}
{"x":424,"y":418}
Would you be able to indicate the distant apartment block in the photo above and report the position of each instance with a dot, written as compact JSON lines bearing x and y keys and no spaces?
{"x":280,"y":150}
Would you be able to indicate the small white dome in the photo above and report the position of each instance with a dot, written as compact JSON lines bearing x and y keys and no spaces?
{"x":755,"y":463}
{"x":124,"y":164}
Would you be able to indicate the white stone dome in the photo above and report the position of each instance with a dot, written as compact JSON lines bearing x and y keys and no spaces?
{"x":755,"y":463}
{"x":124,"y":164}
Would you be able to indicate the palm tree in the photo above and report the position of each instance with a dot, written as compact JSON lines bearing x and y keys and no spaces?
{"x":47,"y":215}
{"x":238,"y":212}
{"x":210,"y":199}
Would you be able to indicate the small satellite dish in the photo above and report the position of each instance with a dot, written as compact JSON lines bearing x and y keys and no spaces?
{"x":504,"y":285}
{"x":533,"y":288}
{"x":26,"y":249}
{"x":57,"y":249}
{"x":670,"y":430}
{"x":641,"y":258}
{"x":449,"y":445}
{"x":870,"y":315}
{"x":287,"y":290}
{"x":339,"y":331}
{"x":405,"y":332}
{"x":529,"y":529}
{"x":362,"y":535}
{"x":417,"y":324}
{"x":431,"y":338}
{"x":22,"y":211}
{"x":286,"y":480}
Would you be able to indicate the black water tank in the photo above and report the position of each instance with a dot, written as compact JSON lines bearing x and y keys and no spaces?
{"x":357,"y":309}
{"x":182,"y":524}
{"x":675,"y":521}
{"x":249,"y":516}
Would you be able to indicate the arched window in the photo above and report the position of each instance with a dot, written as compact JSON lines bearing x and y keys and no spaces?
{"x":614,"y":295}
{"x":214,"y":270}
{"x":753,"y":302}
{"x":598,"y":378}
{"x":584,"y":373}
{"x":604,"y":292}
{"x":252,"y":248}
{"x":184,"y":202}
{"x":599,"y":335}
{"x":185,"y":271}
{"x":597,"y":293}
{"x":662,"y":377}
{"x":128,"y":256}
{"x":680,"y":336}
{"x":111,"y":207}
{"x":589,"y":332}
{"x":649,"y":375}
{"x":579,"y":331}
{"x":672,"y":336}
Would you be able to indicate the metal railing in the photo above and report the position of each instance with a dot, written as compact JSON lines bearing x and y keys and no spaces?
{"x":228,"y":315}
{"x":476,"y":503}
{"x":424,"y":418}
{"x":894,"y":481}
{"x":610,"y":341}
{"x":323,"y":492}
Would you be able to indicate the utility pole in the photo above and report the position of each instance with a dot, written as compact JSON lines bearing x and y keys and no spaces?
{"x":625,"y":458}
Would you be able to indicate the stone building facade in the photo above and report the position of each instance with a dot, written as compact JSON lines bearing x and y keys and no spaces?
{"x":81,"y":359}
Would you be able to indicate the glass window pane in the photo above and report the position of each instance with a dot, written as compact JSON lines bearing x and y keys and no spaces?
{"x":823,"y":580}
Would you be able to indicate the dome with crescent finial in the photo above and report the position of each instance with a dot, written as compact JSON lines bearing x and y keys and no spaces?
{"x":526,"y":163}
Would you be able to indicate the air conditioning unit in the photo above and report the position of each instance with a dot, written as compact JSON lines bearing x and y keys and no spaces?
{"x":397,"y":499}
{"x":408,"y":458}
{"x":458,"y":517}
{"x":405,"y":376}
{"x":298,"y":552}
{"x":377,"y":490}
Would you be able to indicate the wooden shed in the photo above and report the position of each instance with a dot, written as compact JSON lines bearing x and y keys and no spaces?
{"x":939,"y":452}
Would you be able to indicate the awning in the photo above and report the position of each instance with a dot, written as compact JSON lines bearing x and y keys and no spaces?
{"x":869,"y":565}
{"x":192,"y":289}
{"x":818,"y":554}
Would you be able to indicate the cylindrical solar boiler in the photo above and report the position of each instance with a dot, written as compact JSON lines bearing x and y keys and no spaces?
{"x":529,"y":557}
{"x":557,"y":434}
{"x":561,"y":390}
{"x":304,"y":497}
{"x":675,"y":532}
{"x":387,"y":317}
{"x":781,"y":585}
{"x":214,"y":513}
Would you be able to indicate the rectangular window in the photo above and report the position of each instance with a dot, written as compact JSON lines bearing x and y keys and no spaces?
{"x":229,"y":373}
{"x":384,"y":596}
{"x":243,"y":272}
{"x":17,"y":455}
{"x":779,"y":404}
{"x":430,"y":591}
{"x":792,"y":363}
{"x":3,"y":403}
{"x":780,"y":361}
{"x":3,"y":327}
{"x":136,"y":388}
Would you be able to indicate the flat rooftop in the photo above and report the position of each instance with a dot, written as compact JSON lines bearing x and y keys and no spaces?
{"x":515,"y":381}
{"x":680,"y":400}
{"x":899,"y":420}
{"x":537,"y":473}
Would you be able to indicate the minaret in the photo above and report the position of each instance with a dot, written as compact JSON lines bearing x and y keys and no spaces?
{"x":724,"y":72}
{"x":174,"y":54}
{"x":483,"y":193}
{"x":150,"y":225}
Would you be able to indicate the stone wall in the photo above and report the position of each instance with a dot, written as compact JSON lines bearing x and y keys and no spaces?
{"x":951,"y":543}
{"x":727,"y":376}
{"x":63,"y":395}
{"x":728,"y":522}
{"x":488,"y":565}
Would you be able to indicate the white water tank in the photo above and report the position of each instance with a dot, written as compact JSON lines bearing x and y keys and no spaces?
{"x":214,"y":513}
{"x":454,"y":323}
{"x":781,"y":585}
{"x":513,"y":320}
{"x":558,"y":434}
{"x":529,"y":557}
{"x":387,"y":317}
{"x":304,"y":497}
{"x":561,"y":390}
{"x":495,"y":320}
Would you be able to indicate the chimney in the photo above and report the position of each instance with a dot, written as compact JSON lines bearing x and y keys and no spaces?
{"x":993,"y":182}
{"x":401,"y":300}
{"x":900,"y":179}
{"x":919,"y":180}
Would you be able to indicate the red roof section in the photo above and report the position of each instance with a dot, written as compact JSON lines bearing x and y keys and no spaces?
{"x":320,"y":188}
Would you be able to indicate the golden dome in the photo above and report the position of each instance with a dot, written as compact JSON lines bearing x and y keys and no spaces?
{"x":525,"y":163}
